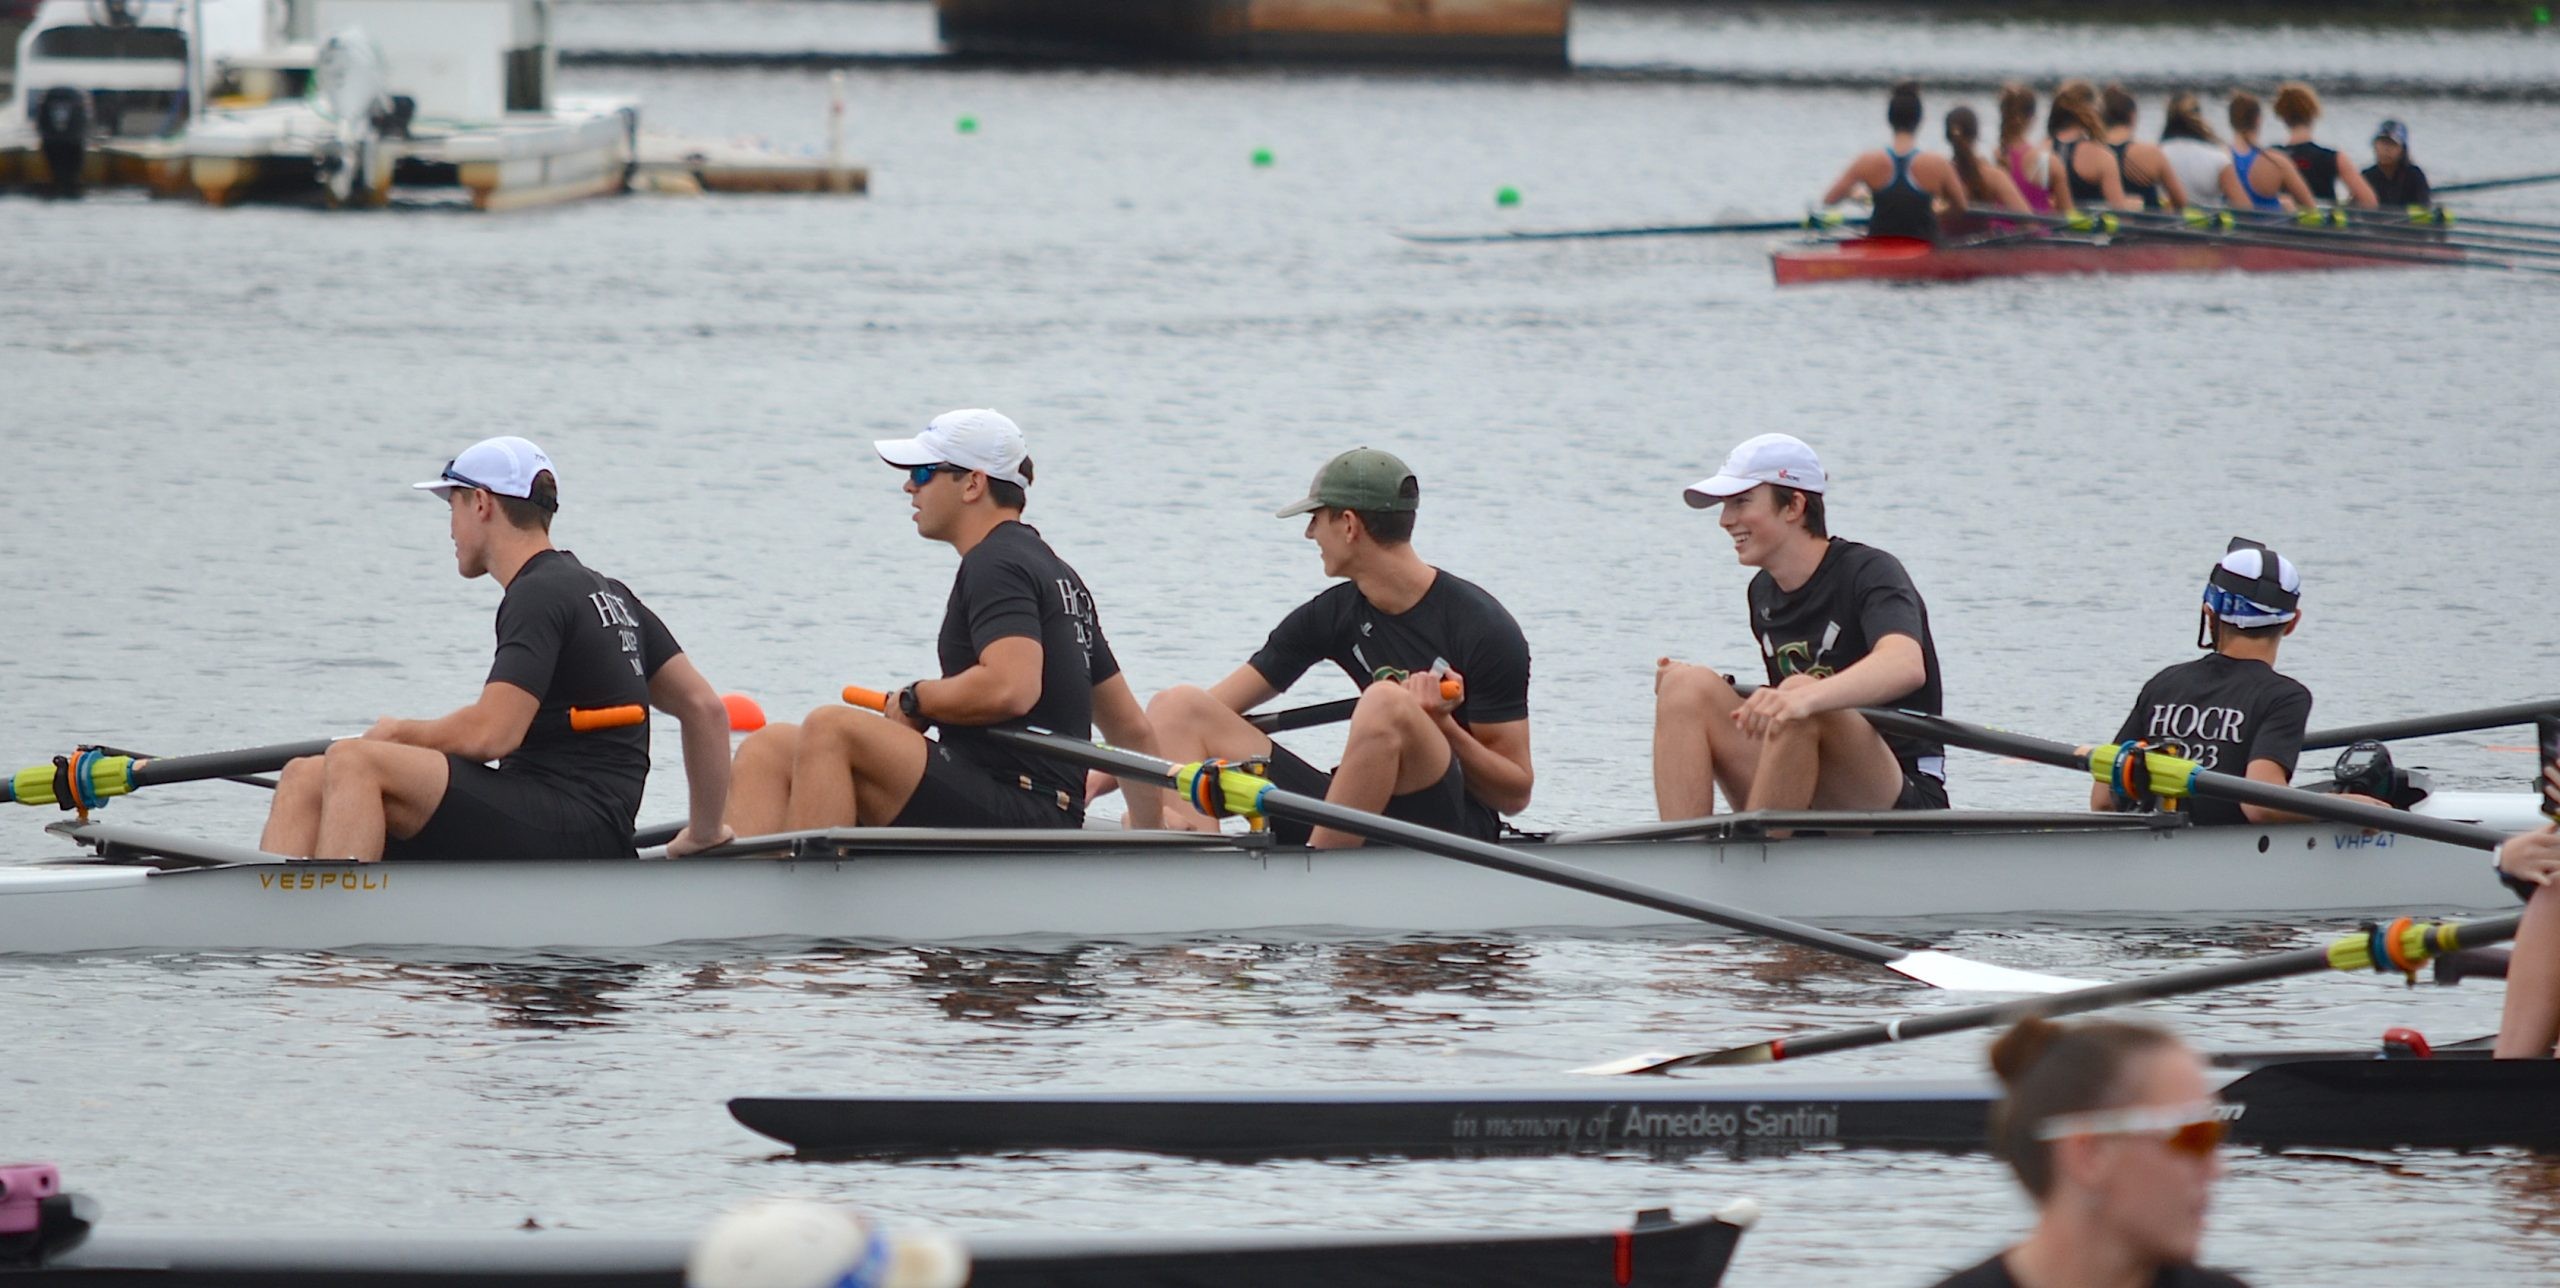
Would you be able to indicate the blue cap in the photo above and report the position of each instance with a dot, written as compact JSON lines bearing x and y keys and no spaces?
{"x":2394,"y":131}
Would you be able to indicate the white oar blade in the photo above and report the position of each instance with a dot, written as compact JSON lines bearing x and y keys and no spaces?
{"x":1946,"y":970}
{"x":1626,"y":1065}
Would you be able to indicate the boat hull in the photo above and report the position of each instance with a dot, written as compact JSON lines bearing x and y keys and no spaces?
{"x":1897,"y":259}
{"x":915,"y":886}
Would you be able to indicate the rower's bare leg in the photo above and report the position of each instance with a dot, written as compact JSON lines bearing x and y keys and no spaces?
{"x":293,"y":816}
{"x":1393,"y":749}
{"x":853,"y":769}
{"x":760,"y":780}
{"x":1696,"y":747}
{"x":370,"y":790}
{"x":1190,"y":725}
{"x":2529,"y":1024}
{"x":1835,"y":760}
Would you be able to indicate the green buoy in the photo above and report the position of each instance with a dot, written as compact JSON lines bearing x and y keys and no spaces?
{"x":968,"y":125}
{"x":1506,"y":195}
{"x":1262,"y":158}
{"x":2542,"y":15}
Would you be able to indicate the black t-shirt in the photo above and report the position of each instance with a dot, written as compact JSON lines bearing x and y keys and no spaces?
{"x":1995,"y":1274}
{"x":572,"y":637}
{"x":1012,"y":584}
{"x":2407,"y":188}
{"x":1454,"y":625}
{"x":1856,"y":596}
{"x":2319,"y":167}
{"x":2226,"y":712}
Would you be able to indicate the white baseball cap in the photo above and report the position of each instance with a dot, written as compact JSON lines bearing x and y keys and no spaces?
{"x":1782,"y":459}
{"x":973,"y":438}
{"x":504,"y":465}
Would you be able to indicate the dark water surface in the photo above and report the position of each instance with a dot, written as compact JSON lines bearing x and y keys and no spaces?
{"x":214,"y":416}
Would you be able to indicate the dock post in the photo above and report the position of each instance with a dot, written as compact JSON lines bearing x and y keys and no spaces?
{"x":837,"y":179}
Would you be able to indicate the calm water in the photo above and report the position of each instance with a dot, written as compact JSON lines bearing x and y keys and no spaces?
{"x":214,"y":416}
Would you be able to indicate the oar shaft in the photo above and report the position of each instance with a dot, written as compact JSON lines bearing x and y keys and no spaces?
{"x":2429,"y":726}
{"x":1306,"y":717}
{"x":1129,"y":765}
{"x":2484,"y":185}
{"x":224,"y":764}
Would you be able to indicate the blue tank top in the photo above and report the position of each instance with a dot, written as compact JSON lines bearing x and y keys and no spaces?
{"x":2241,"y":162}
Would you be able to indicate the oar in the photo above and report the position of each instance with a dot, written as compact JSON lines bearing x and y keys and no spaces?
{"x":1816,"y":222}
{"x":1226,"y":790}
{"x":2441,"y":217}
{"x":2483,"y":185}
{"x":2429,"y":726}
{"x":85,"y":778}
{"x":2402,"y":946}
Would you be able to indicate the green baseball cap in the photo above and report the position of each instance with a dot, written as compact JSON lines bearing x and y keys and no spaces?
{"x":1363,"y":478}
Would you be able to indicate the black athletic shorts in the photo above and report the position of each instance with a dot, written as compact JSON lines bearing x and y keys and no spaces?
{"x":1920,"y":791}
{"x":486,"y":814}
{"x":1442,"y":806}
{"x":959,"y":792}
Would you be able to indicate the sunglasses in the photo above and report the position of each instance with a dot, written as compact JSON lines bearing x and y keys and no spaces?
{"x":923,"y":474}
{"x":2194,"y":1130}
{"x":452,"y":475}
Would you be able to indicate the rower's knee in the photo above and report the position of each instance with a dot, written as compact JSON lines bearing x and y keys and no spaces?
{"x":350,"y":761}
{"x":769,"y":750}
{"x":1180,"y":707}
{"x":1691,"y":692}
{"x":300,"y":776}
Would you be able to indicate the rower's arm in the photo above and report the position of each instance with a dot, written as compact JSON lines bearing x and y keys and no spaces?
{"x":2359,"y":192}
{"x":1951,"y":187}
{"x":1890,"y":670}
{"x":680,"y":690}
{"x":1003,"y":685}
{"x":2172,"y":184}
{"x":2111,"y":186}
{"x":2268,"y":771}
{"x":1124,"y":724}
{"x":2294,"y":184}
{"x":1495,"y":758}
{"x":1850,"y":181}
{"x":2235,"y":194}
{"x":489,"y":729}
{"x":1243,"y":690}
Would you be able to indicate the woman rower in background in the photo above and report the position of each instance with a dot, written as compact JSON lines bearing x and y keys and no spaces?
{"x":2259,"y":179}
{"x":1985,"y":186}
{"x":2397,"y":181}
{"x":2026,"y":161}
{"x":2194,"y":151}
{"x":2298,"y":106}
{"x":2529,"y":1026}
{"x":2148,"y":176}
{"x":2084,"y":171}
{"x":2115,"y":1132}
{"x":1906,"y":184}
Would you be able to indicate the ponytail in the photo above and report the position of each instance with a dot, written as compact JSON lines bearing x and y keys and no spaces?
{"x":1964,"y":132}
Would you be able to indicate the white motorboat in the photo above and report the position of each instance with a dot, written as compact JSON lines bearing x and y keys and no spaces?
{"x":151,"y":890}
{"x":94,"y":75}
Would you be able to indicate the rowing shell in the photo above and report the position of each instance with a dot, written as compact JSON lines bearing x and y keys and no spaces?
{"x":904,"y":885}
{"x":1652,"y":1252}
{"x":1903,"y":259}
{"x":2448,"y":1102}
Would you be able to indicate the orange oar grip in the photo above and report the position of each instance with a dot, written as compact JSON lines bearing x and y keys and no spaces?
{"x":590,"y":719}
{"x":856,"y":695}
{"x":1450,"y":689}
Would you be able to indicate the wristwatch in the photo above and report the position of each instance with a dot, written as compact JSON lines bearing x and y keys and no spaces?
{"x":907,"y":704}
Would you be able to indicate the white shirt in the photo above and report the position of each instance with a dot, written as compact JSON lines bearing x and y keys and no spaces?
{"x":2199,"y":166}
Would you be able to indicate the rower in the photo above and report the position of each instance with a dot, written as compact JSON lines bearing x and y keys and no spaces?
{"x":1397,"y":626}
{"x":2085,"y":172}
{"x":2298,"y":106}
{"x":1020,"y":646}
{"x":2144,"y":168}
{"x":2028,"y":162}
{"x":1986,"y":187}
{"x":568,"y":638}
{"x":2396,"y":180}
{"x":2259,"y":179}
{"x":2231,"y":711}
{"x":2195,"y":153}
{"x":1905,"y":184}
{"x":1839,"y":625}
{"x":2113,"y":1128}
{"x":2529,"y":1026}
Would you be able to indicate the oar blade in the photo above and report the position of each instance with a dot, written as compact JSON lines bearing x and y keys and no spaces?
{"x":1946,"y":970}
{"x":1642,"y":1062}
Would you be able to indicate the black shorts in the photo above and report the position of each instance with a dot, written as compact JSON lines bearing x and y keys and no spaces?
{"x":1920,"y":791}
{"x":959,"y":792}
{"x":486,"y":814}
{"x":1443,"y":806}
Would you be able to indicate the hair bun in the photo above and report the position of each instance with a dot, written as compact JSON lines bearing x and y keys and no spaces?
{"x":2018,"y":1050}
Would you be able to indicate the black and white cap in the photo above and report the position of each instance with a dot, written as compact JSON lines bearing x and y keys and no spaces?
{"x":2253,"y":586}
{"x":505,"y":465}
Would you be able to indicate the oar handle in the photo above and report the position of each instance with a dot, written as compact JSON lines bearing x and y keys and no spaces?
{"x":871,"y":699}
{"x":1321,"y":713}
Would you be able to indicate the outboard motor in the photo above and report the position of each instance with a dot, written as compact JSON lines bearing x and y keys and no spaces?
{"x":62,"y":131}
{"x":349,"y":89}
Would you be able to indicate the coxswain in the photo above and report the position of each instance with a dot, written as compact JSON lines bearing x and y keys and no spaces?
{"x":1840,"y":626}
{"x":2259,"y":179}
{"x":2529,"y":1026}
{"x":1398,"y":627}
{"x":1986,"y":187}
{"x":2397,"y":182}
{"x":2145,"y":170}
{"x":2114,"y":1130}
{"x":2085,"y":172}
{"x":2194,"y":151}
{"x":2298,"y":106}
{"x":2028,"y":162}
{"x":1021,"y":646}
{"x":2231,"y":711}
{"x":1906,"y":184}
{"x":569,"y":638}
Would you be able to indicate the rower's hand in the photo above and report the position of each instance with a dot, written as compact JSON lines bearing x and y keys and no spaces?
{"x":386,"y":729}
{"x":1424,"y":686}
{"x":1773,"y":708}
{"x":687,"y":843}
{"x":1098,"y":784}
{"x":2533,"y":856}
